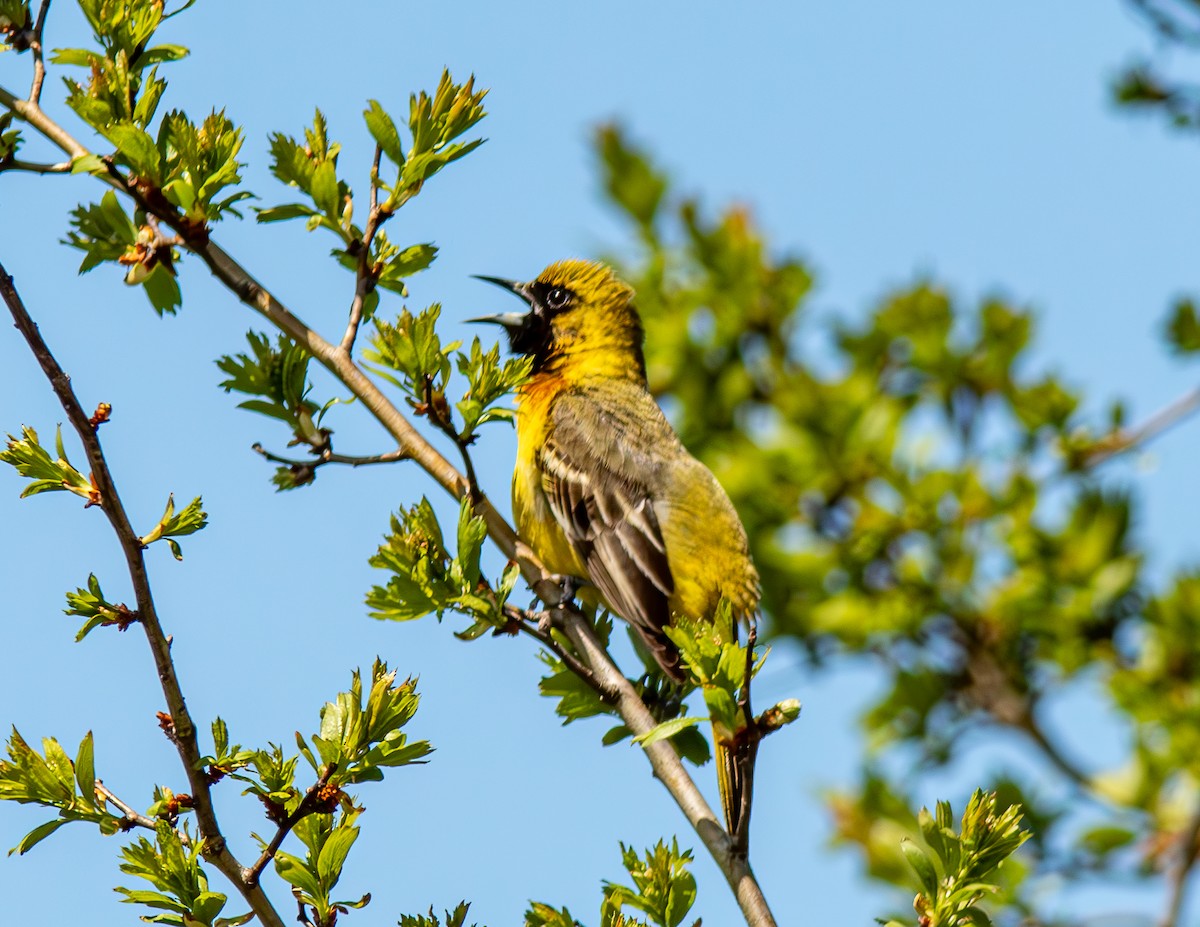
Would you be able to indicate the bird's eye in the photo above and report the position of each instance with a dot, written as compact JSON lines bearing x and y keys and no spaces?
{"x":557,"y":298}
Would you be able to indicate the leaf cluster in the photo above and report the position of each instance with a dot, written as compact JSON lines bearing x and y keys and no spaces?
{"x":276,"y":375}
{"x":15,"y":18}
{"x":52,"y":780}
{"x":48,"y":474}
{"x":172,"y":525}
{"x":172,"y":864}
{"x":663,"y":892}
{"x":91,"y":605}
{"x":327,"y":840}
{"x":413,"y":349}
{"x":10,"y":139}
{"x":426,"y":578}
{"x":105,"y":232}
{"x":311,"y":166}
{"x":455,"y":918}
{"x":362,"y":733}
{"x":955,"y":870}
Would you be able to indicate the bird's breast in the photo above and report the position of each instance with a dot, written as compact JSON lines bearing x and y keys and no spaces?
{"x":535,"y":523}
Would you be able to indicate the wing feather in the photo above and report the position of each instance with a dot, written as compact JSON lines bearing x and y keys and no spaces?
{"x":595,"y":478}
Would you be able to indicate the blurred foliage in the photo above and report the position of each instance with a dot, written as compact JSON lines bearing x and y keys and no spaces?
{"x":1150,"y":83}
{"x":917,"y":495}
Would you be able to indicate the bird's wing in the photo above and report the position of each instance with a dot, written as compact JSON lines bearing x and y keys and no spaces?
{"x":598,"y":463}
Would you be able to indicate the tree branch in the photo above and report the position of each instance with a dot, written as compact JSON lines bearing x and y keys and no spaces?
{"x":132,"y":818}
{"x":215,"y":849}
{"x":310,"y":804}
{"x":664,"y":761}
{"x":307,"y":468}
{"x":364,"y":283}
{"x":1129,"y":438}
{"x":39,"y":61}
{"x":34,"y":167}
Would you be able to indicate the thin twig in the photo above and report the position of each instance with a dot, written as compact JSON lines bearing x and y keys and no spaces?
{"x":39,"y":62}
{"x":1129,"y":438}
{"x":132,"y":817}
{"x":215,"y":849}
{"x":309,"y":804}
{"x":439,"y":414}
{"x":1181,"y":869}
{"x":327,"y":456}
{"x":365,"y":277}
{"x":35,"y":167}
{"x":664,"y":760}
{"x":528,"y":623}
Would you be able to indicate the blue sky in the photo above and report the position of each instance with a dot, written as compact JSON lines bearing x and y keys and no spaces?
{"x":970,"y":142}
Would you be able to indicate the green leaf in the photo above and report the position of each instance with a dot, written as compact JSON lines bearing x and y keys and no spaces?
{"x":284,"y":212}
{"x":48,"y":474}
{"x":36,"y":836}
{"x":325,"y":190}
{"x":665,"y":730}
{"x":85,"y":773}
{"x":162,"y":289}
{"x":383,"y":130}
{"x":177,"y":524}
{"x":921,"y":866}
{"x":137,"y":149}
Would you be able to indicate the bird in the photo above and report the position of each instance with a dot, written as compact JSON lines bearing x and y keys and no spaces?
{"x":604,"y":492}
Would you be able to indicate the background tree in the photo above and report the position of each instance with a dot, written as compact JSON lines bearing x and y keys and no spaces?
{"x":732,"y":249}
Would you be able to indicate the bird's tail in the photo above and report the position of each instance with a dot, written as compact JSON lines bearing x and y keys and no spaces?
{"x":729,"y":781}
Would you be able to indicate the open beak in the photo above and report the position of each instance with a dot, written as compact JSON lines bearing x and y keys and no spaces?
{"x":512,"y":321}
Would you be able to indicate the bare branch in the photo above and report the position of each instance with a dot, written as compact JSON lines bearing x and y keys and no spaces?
{"x":215,"y":849}
{"x":34,"y":167}
{"x":132,"y":818}
{"x":39,"y":61}
{"x":365,"y":275}
{"x":305,"y":470}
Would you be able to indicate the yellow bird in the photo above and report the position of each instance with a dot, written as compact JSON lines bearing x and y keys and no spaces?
{"x":603,"y":490}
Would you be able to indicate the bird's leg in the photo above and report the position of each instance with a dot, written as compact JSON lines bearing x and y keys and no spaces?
{"x":558,"y":593}
{"x":569,"y":585}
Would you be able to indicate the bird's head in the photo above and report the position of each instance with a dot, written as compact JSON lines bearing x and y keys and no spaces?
{"x":579,"y":312}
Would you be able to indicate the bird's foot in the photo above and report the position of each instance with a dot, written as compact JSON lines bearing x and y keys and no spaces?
{"x":566,"y":586}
